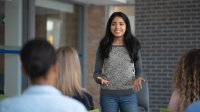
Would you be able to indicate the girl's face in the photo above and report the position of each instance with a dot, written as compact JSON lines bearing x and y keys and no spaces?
{"x":118,"y":27}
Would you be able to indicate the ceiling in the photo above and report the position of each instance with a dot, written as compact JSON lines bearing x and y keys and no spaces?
{"x":105,"y":2}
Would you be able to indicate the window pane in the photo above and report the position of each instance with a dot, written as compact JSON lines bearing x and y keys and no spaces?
{"x":61,"y":26}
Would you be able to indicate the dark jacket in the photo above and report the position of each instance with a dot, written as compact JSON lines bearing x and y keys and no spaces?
{"x":86,"y":100}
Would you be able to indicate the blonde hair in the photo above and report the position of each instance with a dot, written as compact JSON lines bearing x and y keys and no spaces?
{"x":69,"y":79}
{"x":187,"y":78}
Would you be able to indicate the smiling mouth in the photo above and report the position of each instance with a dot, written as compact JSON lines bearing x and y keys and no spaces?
{"x":117,"y":31}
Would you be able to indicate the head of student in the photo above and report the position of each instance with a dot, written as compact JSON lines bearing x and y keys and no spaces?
{"x":124,"y":21}
{"x":69,"y":79}
{"x":187,"y":77}
{"x":112,"y":30}
{"x":38,"y":59}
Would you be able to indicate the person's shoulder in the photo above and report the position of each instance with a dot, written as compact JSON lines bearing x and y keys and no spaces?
{"x":9,"y":104}
{"x":21,"y":103}
{"x":73,"y":103}
{"x":10,"y":100}
{"x":194,"y":107}
{"x":69,"y":99}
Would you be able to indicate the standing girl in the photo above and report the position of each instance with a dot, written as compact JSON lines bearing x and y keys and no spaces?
{"x":118,"y":66}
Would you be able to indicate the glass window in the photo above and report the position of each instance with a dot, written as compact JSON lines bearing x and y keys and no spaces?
{"x":59,"y":22}
{"x":10,"y":43}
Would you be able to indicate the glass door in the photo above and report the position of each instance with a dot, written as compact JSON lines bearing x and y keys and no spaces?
{"x":10,"y":43}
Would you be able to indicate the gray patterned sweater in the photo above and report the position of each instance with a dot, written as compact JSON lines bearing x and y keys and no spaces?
{"x":119,"y":70}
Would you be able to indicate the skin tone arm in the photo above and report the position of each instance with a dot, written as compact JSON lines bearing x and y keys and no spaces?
{"x":137,"y":84}
{"x":174,"y":101}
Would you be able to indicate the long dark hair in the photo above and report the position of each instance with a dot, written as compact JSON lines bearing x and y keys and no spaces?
{"x":132,"y":44}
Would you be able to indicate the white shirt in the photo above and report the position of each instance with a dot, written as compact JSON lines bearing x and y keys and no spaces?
{"x":43,"y":98}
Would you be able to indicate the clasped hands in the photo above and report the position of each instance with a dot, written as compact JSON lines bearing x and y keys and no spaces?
{"x":137,"y":83}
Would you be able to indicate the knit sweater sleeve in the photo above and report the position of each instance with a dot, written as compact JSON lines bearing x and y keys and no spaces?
{"x":138,"y":66}
{"x":98,"y":67}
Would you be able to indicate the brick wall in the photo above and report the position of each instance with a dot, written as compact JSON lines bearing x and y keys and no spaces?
{"x":96,"y":30}
{"x":166,"y":29}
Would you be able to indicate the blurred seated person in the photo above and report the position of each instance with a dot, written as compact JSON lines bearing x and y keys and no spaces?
{"x":38,"y":59}
{"x":186,"y":81}
{"x":69,"y":79}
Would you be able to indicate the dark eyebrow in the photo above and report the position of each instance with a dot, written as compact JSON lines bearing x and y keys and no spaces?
{"x":119,"y":22}
{"x":122,"y":22}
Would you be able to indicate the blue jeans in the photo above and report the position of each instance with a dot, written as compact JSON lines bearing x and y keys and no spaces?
{"x":122,"y":103}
